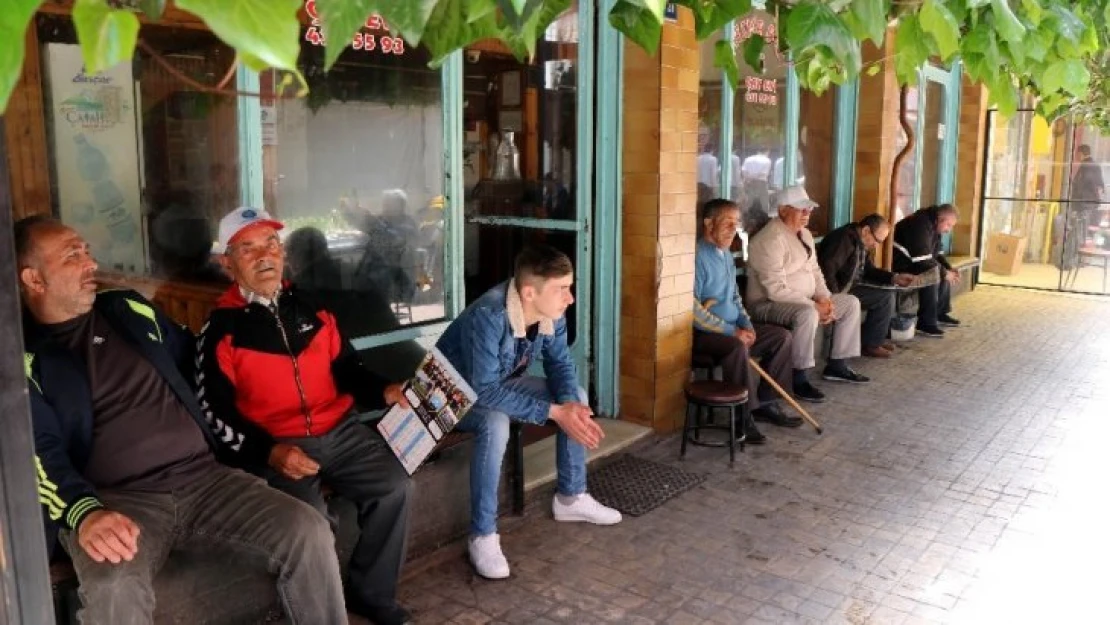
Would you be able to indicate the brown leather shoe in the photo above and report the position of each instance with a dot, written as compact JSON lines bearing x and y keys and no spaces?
{"x":888,"y":345}
{"x":876,"y":351}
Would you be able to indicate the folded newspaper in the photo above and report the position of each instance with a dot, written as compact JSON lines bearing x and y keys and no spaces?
{"x":439,"y":397}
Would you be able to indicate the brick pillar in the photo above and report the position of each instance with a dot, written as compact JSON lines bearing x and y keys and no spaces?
{"x":877,"y":134}
{"x":660,"y":119}
{"x":969,"y":167}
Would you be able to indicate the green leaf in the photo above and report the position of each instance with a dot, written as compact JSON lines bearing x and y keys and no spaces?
{"x":523,"y":39}
{"x":912,"y":52}
{"x":1069,"y":29}
{"x":711,"y":15}
{"x":153,"y":9}
{"x":1016,"y":53}
{"x":1037,"y":43}
{"x":725,"y":59}
{"x":1004,"y":95}
{"x":455,"y":26}
{"x":1033,"y":11}
{"x":1089,"y":42}
{"x":938,"y":21}
{"x":867,"y":19}
{"x":753,"y":52}
{"x":977,"y":4}
{"x":1069,"y":75}
{"x":265,"y":33}
{"x":815,"y":25}
{"x":14,"y":19}
{"x":107,"y":36}
{"x":341,"y":20}
{"x":638,"y":24}
{"x":1008,"y":25}
{"x":874,"y":69}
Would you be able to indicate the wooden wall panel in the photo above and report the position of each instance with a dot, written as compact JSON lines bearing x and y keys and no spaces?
{"x":25,"y":126}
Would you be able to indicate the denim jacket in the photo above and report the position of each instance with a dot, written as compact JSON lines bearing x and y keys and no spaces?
{"x":489,"y":346}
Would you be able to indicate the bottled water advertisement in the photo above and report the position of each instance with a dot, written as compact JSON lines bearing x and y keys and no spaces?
{"x":95,"y":149}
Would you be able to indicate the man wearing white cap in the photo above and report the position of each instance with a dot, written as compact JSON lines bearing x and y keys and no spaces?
{"x":278,"y":383}
{"x":786,"y":287}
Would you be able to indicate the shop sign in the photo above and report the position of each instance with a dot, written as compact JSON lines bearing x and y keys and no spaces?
{"x":758,"y":90}
{"x":670,"y":12}
{"x":365,"y":41}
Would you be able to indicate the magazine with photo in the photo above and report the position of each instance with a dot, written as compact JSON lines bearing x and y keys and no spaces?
{"x":439,"y":397}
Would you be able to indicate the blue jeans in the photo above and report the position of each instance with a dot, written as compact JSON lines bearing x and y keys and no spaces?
{"x":491,"y":430}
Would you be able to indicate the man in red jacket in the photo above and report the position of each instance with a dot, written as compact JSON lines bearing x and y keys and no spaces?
{"x":278,"y":383}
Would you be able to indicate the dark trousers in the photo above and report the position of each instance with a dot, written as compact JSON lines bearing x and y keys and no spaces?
{"x":772,"y":349}
{"x":933,"y":301}
{"x":879,"y":305}
{"x":357,"y":465}
{"x":225,"y":510}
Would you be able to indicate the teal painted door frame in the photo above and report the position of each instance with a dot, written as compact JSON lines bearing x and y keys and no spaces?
{"x":607,"y":232}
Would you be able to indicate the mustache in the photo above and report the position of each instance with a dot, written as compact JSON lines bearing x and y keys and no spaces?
{"x":264,"y":265}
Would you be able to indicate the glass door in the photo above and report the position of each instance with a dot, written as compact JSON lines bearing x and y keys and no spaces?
{"x":528,"y":160}
{"x":1045,"y":214}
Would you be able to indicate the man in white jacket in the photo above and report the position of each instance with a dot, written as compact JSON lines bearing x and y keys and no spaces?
{"x":786,"y":287}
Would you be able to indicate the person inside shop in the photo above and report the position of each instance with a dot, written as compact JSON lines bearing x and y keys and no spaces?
{"x":845,"y":259}
{"x":127,"y":471}
{"x":918,"y":249}
{"x":1087,"y":190}
{"x":280,"y":382}
{"x":786,"y":287}
{"x":492,"y":344}
{"x":723,"y":330}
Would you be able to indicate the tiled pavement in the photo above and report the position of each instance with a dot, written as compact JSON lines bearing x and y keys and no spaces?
{"x":965,"y":484}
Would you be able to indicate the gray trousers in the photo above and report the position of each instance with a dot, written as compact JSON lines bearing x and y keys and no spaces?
{"x":802,"y":321}
{"x":225,"y":510}
{"x":879,"y":304}
{"x":357,"y":465}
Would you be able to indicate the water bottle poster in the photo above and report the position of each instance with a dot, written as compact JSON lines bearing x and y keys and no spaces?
{"x":96,"y":154}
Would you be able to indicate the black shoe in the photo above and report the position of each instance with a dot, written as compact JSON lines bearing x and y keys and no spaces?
{"x":933,"y":332}
{"x":774,"y":415}
{"x":808,"y":392}
{"x":844,"y":373}
{"x":752,"y":435}
{"x":392,"y":614}
{"x":946,"y":320}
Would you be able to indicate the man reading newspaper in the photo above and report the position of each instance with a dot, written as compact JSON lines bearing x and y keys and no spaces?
{"x":491,"y":344}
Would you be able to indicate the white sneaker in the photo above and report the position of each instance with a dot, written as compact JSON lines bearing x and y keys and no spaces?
{"x":486,"y":556}
{"x":584,"y":508}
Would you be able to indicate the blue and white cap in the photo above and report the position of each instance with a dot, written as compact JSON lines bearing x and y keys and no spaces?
{"x":796,"y":197}
{"x":239,"y":220}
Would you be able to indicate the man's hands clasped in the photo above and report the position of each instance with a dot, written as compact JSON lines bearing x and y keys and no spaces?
{"x":576,"y":420}
{"x":108,"y":537}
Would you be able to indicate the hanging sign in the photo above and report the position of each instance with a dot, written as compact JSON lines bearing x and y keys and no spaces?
{"x":758,"y":90}
{"x":367,"y":42}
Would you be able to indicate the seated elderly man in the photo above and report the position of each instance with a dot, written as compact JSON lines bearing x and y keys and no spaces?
{"x":917,"y":250}
{"x":845,"y":258}
{"x":722,"y":329}
{"x":786,"y":287}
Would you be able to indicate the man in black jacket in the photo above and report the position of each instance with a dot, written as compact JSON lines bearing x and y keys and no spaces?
{"x":917,"y":249}
{"x":126,"y":470}
{"x":845,"y":259}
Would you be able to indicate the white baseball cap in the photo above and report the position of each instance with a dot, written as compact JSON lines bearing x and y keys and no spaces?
{"x":239,"y":220}
{"x":796,"y":197}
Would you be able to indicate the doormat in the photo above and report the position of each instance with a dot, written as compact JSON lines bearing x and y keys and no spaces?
{"x":635,"y":486}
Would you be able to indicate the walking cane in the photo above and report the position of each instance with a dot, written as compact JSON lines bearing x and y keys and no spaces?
{"x":785,"y":395}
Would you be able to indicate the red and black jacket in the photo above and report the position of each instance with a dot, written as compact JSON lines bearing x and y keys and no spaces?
{"x":264,"y":374}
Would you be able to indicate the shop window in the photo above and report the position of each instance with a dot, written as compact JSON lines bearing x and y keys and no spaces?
{"x":142,"y":164}
{"x":709,"y":124}
{"x":758,"y":152}
{"x":816,"y":161}
{"x":355,"y":170}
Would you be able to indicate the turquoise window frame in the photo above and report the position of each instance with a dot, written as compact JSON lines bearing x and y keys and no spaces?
{"x":952,"y":80}
{"x":844,"y":157}
{"x":607,"y":233}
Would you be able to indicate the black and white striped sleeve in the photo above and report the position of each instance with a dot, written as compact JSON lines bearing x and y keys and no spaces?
{"x":241,"y":442}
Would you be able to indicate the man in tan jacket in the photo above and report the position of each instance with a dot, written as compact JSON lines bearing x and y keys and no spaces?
{"x":786,"y":287}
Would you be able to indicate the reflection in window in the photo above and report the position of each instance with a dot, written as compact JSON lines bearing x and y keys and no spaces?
{"x":759,"y":123}
{"x":904,"y":204}
{"x":355,"y":172}
{"x":143,"y":164}
{"x":709,"y":124}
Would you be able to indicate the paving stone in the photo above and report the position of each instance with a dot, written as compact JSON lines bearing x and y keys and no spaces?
{"x":939,"y":493}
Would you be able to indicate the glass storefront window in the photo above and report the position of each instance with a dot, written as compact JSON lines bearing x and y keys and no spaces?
{"x":142,"y":164}
{"x":904,"y":204}
{"x":709,"y":123}
{"x":759,"y":122}
{"x":1046,"y":216}
{"x":355,"y":170}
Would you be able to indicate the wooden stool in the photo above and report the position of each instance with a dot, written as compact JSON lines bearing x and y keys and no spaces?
{"x":710,"y":394}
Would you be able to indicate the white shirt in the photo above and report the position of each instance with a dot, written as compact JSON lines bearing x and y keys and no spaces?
{"x":756,"y":167}
{"x":709,"y":171}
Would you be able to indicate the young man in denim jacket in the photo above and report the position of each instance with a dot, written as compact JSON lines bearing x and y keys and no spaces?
{"x":492,"y":343}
